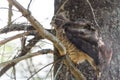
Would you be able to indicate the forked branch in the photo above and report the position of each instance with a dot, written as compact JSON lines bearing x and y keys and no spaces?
{"x":42,"y":32}
{"x":45,"y":34}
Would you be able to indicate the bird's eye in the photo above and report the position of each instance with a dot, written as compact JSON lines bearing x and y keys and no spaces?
{"x":67,"y":24}
{"x":81,"y":32}
{"x":87,"y":27}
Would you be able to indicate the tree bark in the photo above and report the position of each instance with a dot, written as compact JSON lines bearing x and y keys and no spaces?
{"x":105,"y":17}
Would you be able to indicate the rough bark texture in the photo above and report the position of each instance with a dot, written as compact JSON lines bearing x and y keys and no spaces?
{"x":107,"y":15}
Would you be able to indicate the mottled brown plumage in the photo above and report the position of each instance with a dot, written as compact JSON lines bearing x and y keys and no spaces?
{"x":82,"y":42}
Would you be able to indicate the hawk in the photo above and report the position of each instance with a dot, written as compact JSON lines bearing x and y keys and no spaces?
{"x":82,"y":42}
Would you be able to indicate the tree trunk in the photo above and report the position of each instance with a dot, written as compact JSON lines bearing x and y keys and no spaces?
{"x":105,"y":17}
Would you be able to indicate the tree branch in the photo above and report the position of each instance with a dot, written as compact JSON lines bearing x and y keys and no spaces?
{"x":10,"y":14}
{"x":16,"y":27}
{"x":14,"y":37}
{"x":76,"y":73}
{"x":16,"y":60}
{"x":42,"y":32}
{"x":93,"y":13}
{"x":22,"y":27}
{"x":25,"y":50}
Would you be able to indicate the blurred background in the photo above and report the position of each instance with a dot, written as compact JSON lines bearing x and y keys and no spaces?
{"x":43,"y":11}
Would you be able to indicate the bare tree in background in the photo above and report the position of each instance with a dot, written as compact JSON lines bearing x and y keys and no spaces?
{"x":104,"y":16}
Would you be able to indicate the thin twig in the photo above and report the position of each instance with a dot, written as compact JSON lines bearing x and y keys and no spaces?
{"x":45,"y":34}
{"x":10,"y":14}
{"x":61,"y":7}
{"x":14,"y":72}
{"x":39,"y":70}
{"x":49,"y":72}
{"x":21,"y":27}
{"x":76,"y":73}
{"x":30,"y":69}
{"x":44,"y":67}
{"x":44,"y":51}
{"x":14,"y":20}
{"x":58,"y":71}
{"x":94,"y":17}
{"x":28,"y":7}
{"x":8,"y":8}
{"x":42,"y":32}
{"x":14,"y":37}
{"x":27,"y":48}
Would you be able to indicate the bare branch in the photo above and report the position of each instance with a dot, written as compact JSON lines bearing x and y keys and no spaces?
{"x":94,"y":17}
{"x":61,"y":7}
{"x":45,"y":34}
{"x":76,"y":73}
{"x":16,"y":27}
{"x":44,"y":51}
{"x":10,"y":14}
{"x":22,"y":27}
{"x":8,"y":8}
{"x":42,"y":32}
{"x":14,"y":37}
{"x":39,"y":70}
{"x":27,"y":48}
{"x":28,"y":7}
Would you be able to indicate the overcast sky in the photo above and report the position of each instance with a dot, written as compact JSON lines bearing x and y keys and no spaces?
{"x":42,"y":10}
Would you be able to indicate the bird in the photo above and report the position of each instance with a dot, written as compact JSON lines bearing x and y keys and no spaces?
{"x":82,"y":42}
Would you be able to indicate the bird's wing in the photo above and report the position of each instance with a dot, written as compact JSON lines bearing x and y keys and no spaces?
{"x":84,"y":42}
